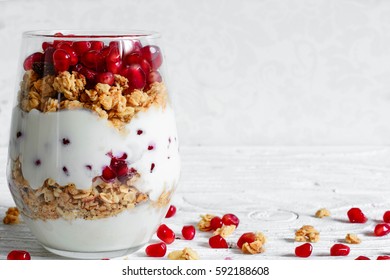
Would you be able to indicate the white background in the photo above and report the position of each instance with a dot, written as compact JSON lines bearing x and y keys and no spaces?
{"x":254,"y":72}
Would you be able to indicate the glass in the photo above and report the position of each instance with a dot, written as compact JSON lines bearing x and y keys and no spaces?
{"x":93,"y":152}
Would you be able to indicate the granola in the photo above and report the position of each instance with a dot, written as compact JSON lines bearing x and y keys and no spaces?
{"x":225,"y":231}
{"x":12,"y":216}
{"x":323,"y":212}
{"x":68,"y":91}
{"x":352,"y":239}
{"x":307,"y":233}
{"x":255,"y":247}
{"x":185,"y":254}
{"x":204,"y":223}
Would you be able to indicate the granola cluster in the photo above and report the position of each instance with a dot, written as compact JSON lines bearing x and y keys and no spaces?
{"x":225,"y":231}
{"x":255,"y":247}
{"x":323,"y":212}
{"x":11,"y":216}
{"x":68,"y":91}
{"x":185,"y":254}
{"x":204,"y":223}
{"x":307,"y":233}
{"x":352,"y":239}
{"x":52,"y":201}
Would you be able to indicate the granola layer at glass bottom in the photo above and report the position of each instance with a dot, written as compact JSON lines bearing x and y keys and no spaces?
{"x":103,"y":199}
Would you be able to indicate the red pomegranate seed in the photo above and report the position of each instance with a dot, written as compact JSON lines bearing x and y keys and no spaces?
{"x":113,"y":55}
{"x":152,"y":166}
{"x":171,"y":211}
{"x":119,"y":167}
{"x":135,"y":47}
{"x":145,"y":66}
{"x":18,"y":255}
{"x":356,"y":215}
{"x":246,"y":237}
{"x":89,"y":74}
{"x":108,"y":174}
{"x":156,"y":250}
{"x":383,"y":258}
{"x":339,"y":250}
{"x":81,"y":47}
{"x":97,"y":45}
{"x":230,"y":219}
{"x":31,"y":59}
{"x":362,"y":258}
{"x":150,"y":147}
{"x":114,"y":44}
{"x":66,"y":47}
{"x":153,"y":55}
{"x":382,"y":229}
{"x":386,"y":217}
{"x":153,"y":77}
{"x":139,"y":132}
{"x":132,"y":58}
{"x":93,"y":60}
{"x":218,"y":242}
{"x":45,"y":45}
{"x":48,"y":55}
{"x":188,"y":232}
{"x":216,"y":223}
{"x":61,"y":60}
{"x":135,"y":75}
{"x":304,"y":251}
{"x":114,"y":67}
{"x":105,"y":78}
{"x":165,"y":234}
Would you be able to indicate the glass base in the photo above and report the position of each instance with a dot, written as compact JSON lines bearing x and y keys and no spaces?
{"x":92,"y":255}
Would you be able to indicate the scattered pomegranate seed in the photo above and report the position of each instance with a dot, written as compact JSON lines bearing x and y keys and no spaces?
{"x":165,"y":234}
{"x":230,"y":219}
{"x":356,"y":215}
{"x":38,"y":162}
{"x":150,"y":147}
{"x":382,"y":229}
{"x":31,"y":59}
{"x":362,"y":258}
{"x":139,"y":132}
{"x":188,"y":232}
{"x":18,"y":255}
{"x":108,"y":174}
{"x":216,"y":223}
{"x":61,"y":60}
{"x":383,"y":258}
{"x":153,"y":55}
{"x":304,"y":251}
{"x":386,"y":217}
{"x":246,"y":237}
{"x":152,"y":166}
{"x":171,"y":211}
{"x":339,"y":250}
{"x":66,"y":171}
{"x":218,"y":242}
{"x":81,"y":47}
{"x":156,"y":250}
{"x":105,"y":78}
{"x":65,"y":141}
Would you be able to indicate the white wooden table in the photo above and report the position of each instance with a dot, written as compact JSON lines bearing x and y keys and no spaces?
{"x":275,"y":190}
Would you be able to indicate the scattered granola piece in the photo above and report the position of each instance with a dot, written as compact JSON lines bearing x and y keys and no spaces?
{"x":323,"y":212}
{"x":255,"y":247}
{"x":225,"y":231}
{"x":307,"y":234}
{"x":352,"y":239}
{"x":204,"y":223}
{"x":11,"y":216}
{"x":185,"y":254}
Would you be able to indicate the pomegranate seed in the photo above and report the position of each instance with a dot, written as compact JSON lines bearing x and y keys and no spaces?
{"x":105,"y":78}
{"x":216,"y":223}
{"x":114,"y":44}
{"x":104,"y":51}
{"x":18,"y":255}
{"x":81,"y":47}
{"x":31,"y":59}
{"x":139,"y":132}
{"x":382,"y":229}
{"x":362,"y":258}
{"x":339,"y":250}
{"x":48,"y":55}
{"x":230,"y":219}
{"x":304,"y":251}
{"x":93,"y":60}
{"x":156,"y":250}
{"x":65,"y":141}
{"x":165,"y":234}
{"x":66,"y":171}
{"x":383,"y":258}
{"x":66,"y":47}
{"x":113,"y":55}
{"x":356,"y":215}
{"x":386,"y":217}
{"x":87,"y":73}
{"x":88,"y":166}
{"x":38,"y":162}
{"x":153,"y":77}
{"x":97,"y":45}
{"x":58,"y":34}
{"x":218,"y":241}
{"x":188,"y":232}
{"x":145,"y":66}
{"x":45,"y":45}
{"x":152,"y":166}
{"x":135,"y":47}
{"x":246,"y":237}
{"x":150,"y":147}
{"x":135,"y":75}
{"x":153,"y":55}
{"x":108,"y":174}
{"x":61,"y":60}
{"x":119,"y":167}
{"x":171,"y":211}
{"x":132,"y":58}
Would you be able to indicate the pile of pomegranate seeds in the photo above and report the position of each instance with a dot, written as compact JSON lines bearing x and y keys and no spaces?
{"x":118,"y":168}
{"x":98,"y":61}
{"x":304,"y":251}
{"x":355,"y":215}
{"x":18,"y":255}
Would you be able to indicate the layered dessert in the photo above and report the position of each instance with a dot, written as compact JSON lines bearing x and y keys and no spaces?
{"x":93,"y":155}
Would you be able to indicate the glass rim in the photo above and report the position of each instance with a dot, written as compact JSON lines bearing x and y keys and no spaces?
{"x":92,"y":34}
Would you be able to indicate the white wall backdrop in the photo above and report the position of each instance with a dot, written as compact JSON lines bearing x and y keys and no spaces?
{"x":254,"y":72}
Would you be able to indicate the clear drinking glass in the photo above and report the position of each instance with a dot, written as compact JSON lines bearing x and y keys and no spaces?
{"x":93,"y":152}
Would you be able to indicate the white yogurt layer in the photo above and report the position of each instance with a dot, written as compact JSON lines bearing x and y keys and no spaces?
{"x":71,"y":146}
